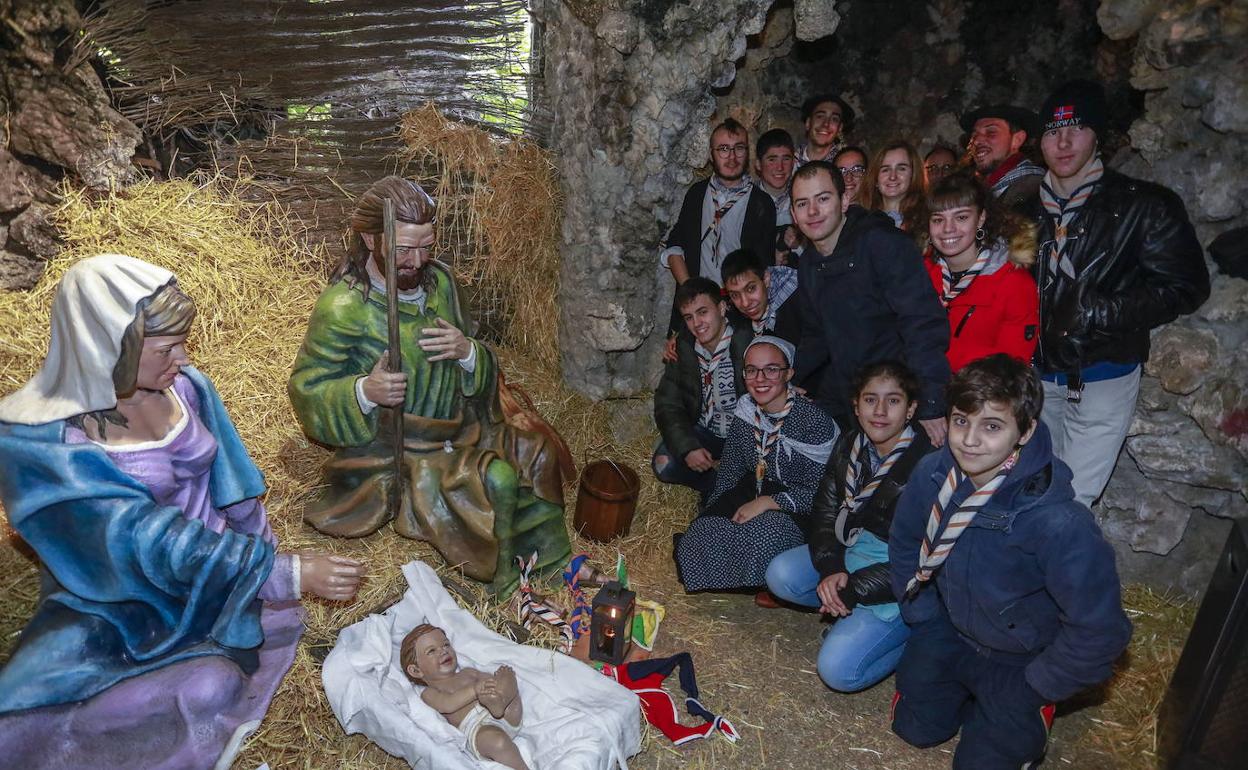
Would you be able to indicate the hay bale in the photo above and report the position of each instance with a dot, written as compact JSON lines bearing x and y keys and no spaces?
{"x":499,"y":208}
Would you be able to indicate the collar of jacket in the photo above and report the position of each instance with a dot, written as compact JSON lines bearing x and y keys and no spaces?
{"x":858,"y":222}
{"x":1005,"y":167}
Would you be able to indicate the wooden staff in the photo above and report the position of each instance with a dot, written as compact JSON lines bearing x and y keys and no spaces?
{"x":395,"y":362}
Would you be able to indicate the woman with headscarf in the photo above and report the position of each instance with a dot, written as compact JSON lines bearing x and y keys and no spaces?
{"x":777,"y":446}
{"x":167,"y":618}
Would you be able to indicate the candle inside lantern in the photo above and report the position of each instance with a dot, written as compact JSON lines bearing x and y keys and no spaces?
{"x":611,"y":621}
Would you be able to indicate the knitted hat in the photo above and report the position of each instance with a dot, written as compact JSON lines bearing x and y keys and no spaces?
{"x":1075,"y":103}
{"x":1017,"y":116}
{"x":784,"y":346}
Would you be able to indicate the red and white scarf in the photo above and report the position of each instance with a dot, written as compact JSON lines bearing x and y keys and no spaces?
{"x":938,"y":541}
{"x":855,"y":498}
{"x":1063,"y":212}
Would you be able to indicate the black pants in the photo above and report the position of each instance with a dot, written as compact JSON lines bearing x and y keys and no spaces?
{"x":944,"y":684}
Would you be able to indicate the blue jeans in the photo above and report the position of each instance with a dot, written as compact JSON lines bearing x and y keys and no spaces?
{"x":674,"y":471}
{"x":859,"y":650}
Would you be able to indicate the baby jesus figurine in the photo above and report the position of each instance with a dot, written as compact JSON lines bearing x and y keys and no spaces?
{"x":486,"y":708}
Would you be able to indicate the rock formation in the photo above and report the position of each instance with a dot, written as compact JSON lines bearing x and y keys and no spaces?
{"x":631,"y":98}
{"x":1184,"y":470}
{"x":57,"y":123}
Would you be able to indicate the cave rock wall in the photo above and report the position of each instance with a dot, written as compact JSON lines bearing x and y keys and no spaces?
{"x":56,"y":123}
{"x":630,"y":86}
{"x":1184,"y":470}
{"x":635,"y":86}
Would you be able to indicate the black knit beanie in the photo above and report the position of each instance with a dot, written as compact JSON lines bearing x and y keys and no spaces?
{"x":1075,"y":103}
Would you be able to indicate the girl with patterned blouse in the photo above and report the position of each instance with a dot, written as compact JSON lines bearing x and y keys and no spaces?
{"x":774,"y":457}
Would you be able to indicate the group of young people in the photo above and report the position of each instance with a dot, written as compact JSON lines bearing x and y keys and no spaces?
{"x":898,"y":387}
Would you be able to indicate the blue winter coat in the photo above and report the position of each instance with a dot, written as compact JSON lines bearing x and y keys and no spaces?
{"x":1032,"y":576}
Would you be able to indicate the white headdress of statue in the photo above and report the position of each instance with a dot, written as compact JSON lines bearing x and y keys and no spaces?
{"x":95,"y":303}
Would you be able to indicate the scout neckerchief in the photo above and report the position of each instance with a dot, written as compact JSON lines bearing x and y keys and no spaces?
{"x":766,"y":434}
{"x":949,"y":289}
{"x":782,"y":284}
{"x":1063,"y":212}
{"x":723,"y":198}
{"x":645,"y":677}
{"x":937,"y":543}
{"x":803,"y":153}
{"x":1006,"y":174}
{"x":854,"y":498}
{"x":709,"y":364}
{"x":531,"y":607}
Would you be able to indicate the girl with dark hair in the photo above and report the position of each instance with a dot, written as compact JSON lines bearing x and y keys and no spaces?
{"x":844,"y":569}
{"x":978,"y":258}
{"x":895,"y":185}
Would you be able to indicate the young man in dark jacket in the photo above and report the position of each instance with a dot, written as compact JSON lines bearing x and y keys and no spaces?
{"x":864,"y":296}
{"x":694,"y":401}
{"x":1117,"y":259}
{"x":719,"y":215}
{"x":1026,"y":609}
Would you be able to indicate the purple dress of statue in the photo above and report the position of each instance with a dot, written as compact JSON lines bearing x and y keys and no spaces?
{"x":194,"y":713}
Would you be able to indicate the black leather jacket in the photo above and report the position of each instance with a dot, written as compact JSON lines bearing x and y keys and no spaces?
{"x":1139,"y":266}
{"x":827,"y":553}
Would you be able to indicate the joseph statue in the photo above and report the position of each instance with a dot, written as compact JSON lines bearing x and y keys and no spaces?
{"x":480,"y":490}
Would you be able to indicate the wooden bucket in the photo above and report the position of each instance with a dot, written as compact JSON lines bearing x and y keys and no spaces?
{"x":606,"y":500}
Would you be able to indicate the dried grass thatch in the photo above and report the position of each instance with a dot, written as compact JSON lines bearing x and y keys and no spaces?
{"x":498,"y":224}
{"x":1128,"y":718}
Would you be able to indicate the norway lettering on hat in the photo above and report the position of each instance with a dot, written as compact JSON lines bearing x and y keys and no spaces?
{"x":1063,"y":115}
{"x":1076,"y":103}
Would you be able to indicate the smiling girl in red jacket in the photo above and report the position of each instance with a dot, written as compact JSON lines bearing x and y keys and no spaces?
{"x":978,"y":258}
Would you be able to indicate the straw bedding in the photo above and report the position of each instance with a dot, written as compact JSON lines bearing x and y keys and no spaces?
{"x":247,"y":266}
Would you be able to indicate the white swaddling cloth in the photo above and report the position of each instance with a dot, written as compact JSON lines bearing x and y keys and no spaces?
{"x":480,"y":717}
{"x":574,"y":717}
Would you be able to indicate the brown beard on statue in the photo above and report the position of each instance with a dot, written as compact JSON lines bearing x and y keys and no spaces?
{"x":409,"y":279}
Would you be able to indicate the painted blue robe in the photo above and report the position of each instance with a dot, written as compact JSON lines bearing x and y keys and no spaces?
{"x":128,"y":586}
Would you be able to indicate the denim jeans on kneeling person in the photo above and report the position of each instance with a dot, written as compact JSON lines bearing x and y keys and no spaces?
{"x":860,"y":649}
{"x":677,"y":472}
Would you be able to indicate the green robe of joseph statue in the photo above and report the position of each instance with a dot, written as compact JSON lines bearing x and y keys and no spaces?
{"x":480,"y":490}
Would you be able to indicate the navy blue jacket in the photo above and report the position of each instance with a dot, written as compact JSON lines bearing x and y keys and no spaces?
{"x":1032,"y":576}
{"x":871,"y":299}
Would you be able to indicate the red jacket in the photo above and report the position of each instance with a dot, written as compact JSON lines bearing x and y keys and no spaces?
{"x":997,"y":313}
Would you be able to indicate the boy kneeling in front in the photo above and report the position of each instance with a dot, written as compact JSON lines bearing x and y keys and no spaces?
{"x":1007,"y":584}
